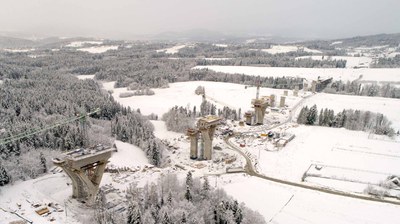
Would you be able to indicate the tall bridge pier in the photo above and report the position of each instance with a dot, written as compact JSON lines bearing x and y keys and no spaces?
{"x":260,"y":105}
{"x":207,"y":126}
{"x":205,"y":130}
{"x":194,"y":140}
{"x":85,"y":167}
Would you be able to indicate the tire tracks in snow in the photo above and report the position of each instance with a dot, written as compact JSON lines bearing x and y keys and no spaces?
{"x":252,"y":171}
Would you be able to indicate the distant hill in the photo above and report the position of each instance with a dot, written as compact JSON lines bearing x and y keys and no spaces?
{"x":12,"y":42}
{"x":204,"y":35}
{"x":50,"y":42}
{"x":192,"y":35}
{"x":372,"y":40}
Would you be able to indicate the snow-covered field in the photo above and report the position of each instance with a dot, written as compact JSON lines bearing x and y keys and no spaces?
{"x":380,"y":75}
{"x":351,"y":62}
{"x":49,"y":188}
{"x":182,"y":94}
{"x":388,"y":106}
{"x":347,"y":150}
{"x":216,"y":59}
{"x":336,"y":42}
{"x":98,"y":49}
{"x":393,"y":54}
{"x":19,"y":50}
{"x":172,"y":50}
{"x":81,"y":43}
{"x":282,"y":204}
{"x":128,"y":155}
{"x":277,"y":49}
{"x":85,"y":76}
{"x":221,"y":45}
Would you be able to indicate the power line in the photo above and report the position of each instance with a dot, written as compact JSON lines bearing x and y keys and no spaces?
{"x":36,"y":131}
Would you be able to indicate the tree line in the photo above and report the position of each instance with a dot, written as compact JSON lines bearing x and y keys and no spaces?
{"x":179,"y":119}
{"x":350,"y":119}
{"x":285,"y":82}
{"x":388,"y":62}
{"x":276,"y":60}
{"x":387,"y":90}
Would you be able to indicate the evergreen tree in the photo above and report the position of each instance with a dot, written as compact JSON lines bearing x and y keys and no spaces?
{"x":331,"y":115}
{"x":43,"y":163}
{"x":189,"y":180}
{"x":343,"y":119}
{"x":134,"y":216}
{"x":194,"y":114}
{"x":206,"y":188}
{"x":321,"y":118}
{"x":156,"y":156}
{"x":326,"y":117}
{"x":302,"y":118}
{"x":312,"y":115}
{"x":188,"y":194}
{"x":213,"y":108}
{"x":148,"y":218}
{"x":183,"y":219}
{"x":237,"y":212}
{"x":4,"y":177}
{"x":166,"y":219}
{"x":169,"y":199}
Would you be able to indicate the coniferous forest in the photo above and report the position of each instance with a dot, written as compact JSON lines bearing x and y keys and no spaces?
{"x":171,"y":201}
{"x":350,"y":119}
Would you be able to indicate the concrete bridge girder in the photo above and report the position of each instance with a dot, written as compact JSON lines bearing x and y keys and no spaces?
{"x":85,"y":167}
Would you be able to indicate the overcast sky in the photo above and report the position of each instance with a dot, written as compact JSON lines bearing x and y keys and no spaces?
{"x":129,"y":18}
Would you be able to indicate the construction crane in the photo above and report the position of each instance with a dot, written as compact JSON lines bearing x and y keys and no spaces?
{"x":258,"y":87}
{"x":81,"y":117}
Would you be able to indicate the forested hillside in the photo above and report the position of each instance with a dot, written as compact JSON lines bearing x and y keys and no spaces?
{"x":34,"y":96}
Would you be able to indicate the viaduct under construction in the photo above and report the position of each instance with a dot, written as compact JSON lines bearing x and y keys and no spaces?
{"x":205,"y":132}
{"x":85,"y":167}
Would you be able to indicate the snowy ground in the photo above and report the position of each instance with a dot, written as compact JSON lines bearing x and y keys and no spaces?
{"x":381,"y":74}
{"x":283,"y":204}
{"x":336,"y":42}
{"x":383,"y":51}
{"x":128,"y":156}
{"x":351,"y":62}
{"x":221,"y":45}
{"x":172,"y":50}
{"x":98,"y":49}
{"x":388,"y":106}
{"x":393,"y":54}
{"x":216,"y":59}
{"x":343,"y":154}
{"x":85,"y":76}
{"x":277,"y":49}
{"x":19,"y":50}
{"x":82,"y":43}
{"x":51,"y":188}
{"x":222,"y":94}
